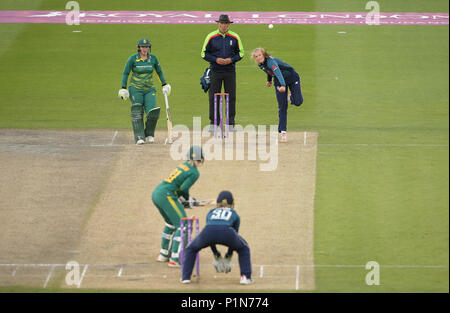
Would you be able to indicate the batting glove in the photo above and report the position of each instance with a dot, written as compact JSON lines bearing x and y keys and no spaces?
{"x":188,"y":204}
{"x":124,"y":94}
{"x":166,"y":89}
{"x":183,"y":201}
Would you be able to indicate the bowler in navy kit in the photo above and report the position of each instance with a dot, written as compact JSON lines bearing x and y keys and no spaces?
{"x":222,"y":226}
{"x":284,"y":77}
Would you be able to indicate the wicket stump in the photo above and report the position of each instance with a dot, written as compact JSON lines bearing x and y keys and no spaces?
{"x":189,"y":221}
{"x":227,"y":113}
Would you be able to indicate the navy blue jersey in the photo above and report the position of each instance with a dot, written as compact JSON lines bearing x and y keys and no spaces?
{"x":223,"y":216}
{"x":282,"y":71}
{"x":218,"y":45}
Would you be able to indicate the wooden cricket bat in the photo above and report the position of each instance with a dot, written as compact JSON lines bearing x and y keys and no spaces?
{"x":206,"y":202}
{"x":169,"y":121}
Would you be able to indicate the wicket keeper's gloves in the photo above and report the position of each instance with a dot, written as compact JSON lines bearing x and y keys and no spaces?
{"x":218,"y":263}
{"x":166,"y":89}
{"x":226,"y":264}
{"x":124,"y":94}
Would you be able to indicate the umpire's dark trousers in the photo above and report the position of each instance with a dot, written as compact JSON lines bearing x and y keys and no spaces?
{"x":229,"y":84}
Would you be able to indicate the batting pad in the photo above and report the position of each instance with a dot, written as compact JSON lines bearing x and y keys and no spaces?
{"x":151,"y":120}
{"x":137,"y":115}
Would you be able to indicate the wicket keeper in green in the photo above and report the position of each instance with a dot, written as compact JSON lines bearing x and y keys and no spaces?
{"x":142,"y":92}
{"x":165,"y":198}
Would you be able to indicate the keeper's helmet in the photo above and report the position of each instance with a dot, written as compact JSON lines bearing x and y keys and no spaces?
{"x":144,"y":42}
{"x":196,"y":153}
{"x":225,"y":198}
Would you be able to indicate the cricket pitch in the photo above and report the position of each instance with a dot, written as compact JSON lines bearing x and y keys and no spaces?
{"x":85,"y":196}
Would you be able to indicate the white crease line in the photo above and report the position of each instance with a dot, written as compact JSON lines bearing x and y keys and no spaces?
{"x":261,"y":271}
{"x":49,"y":276}
{"x":82,"y":275}
{"x":114,"y":138}
{"x":304,"y":138}
{"x":120,"y":272}
{"x":130,"y":276}
{"x":297,"y":275}
{"x":381,"y":266}
{"x":14,"y":272}
{"x":108,"y":145}
{"x":61,"y":145}
{"x":31,"y":265}
{"x":17,"y":266}
{"x":356,"y":266}
{"x":381,"y":145}
{"x":266,"y":265}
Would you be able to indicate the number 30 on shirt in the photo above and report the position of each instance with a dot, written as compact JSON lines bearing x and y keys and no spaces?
{"x":221,"y":214}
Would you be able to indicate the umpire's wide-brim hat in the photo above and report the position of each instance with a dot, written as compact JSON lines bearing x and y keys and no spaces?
{"x":224,"y":19}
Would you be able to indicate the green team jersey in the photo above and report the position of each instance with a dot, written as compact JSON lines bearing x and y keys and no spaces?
{"x":180,"y":180}
{"x":142,"y":71}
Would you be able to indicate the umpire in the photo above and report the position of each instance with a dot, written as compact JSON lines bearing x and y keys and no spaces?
{"x":222,"y":226}
{"x":222,"y":49}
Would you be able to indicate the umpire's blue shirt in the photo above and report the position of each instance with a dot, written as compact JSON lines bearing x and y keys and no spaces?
{"x":218,"y":45}
{"x":223,"y":216}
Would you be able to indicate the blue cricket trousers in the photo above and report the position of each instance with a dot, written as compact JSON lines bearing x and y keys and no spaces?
{"x":294,"y":85}
{"x":217,"y":234}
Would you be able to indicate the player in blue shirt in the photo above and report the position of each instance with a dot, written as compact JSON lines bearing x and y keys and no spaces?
{"x":222,"y":226}
{"x":285,"y":77}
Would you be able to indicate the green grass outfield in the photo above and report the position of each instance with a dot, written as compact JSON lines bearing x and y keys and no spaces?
{"x":378,"y":96}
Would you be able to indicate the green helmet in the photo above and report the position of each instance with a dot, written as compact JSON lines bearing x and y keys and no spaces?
{"x":196,"y":153}
{"x":144,"y":42}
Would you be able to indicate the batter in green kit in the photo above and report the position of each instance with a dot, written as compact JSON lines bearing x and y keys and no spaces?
{"x":165,"y":197}
{"x":142,"y":92}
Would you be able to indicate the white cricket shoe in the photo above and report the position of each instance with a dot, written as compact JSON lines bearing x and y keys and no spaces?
{"x":150,"y":139}
{"x":246,"y":281}
{"x":140,"y":142}
{"x":162,"y":258}
{"x":283,"y":137}
{"x":185,"y":281}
